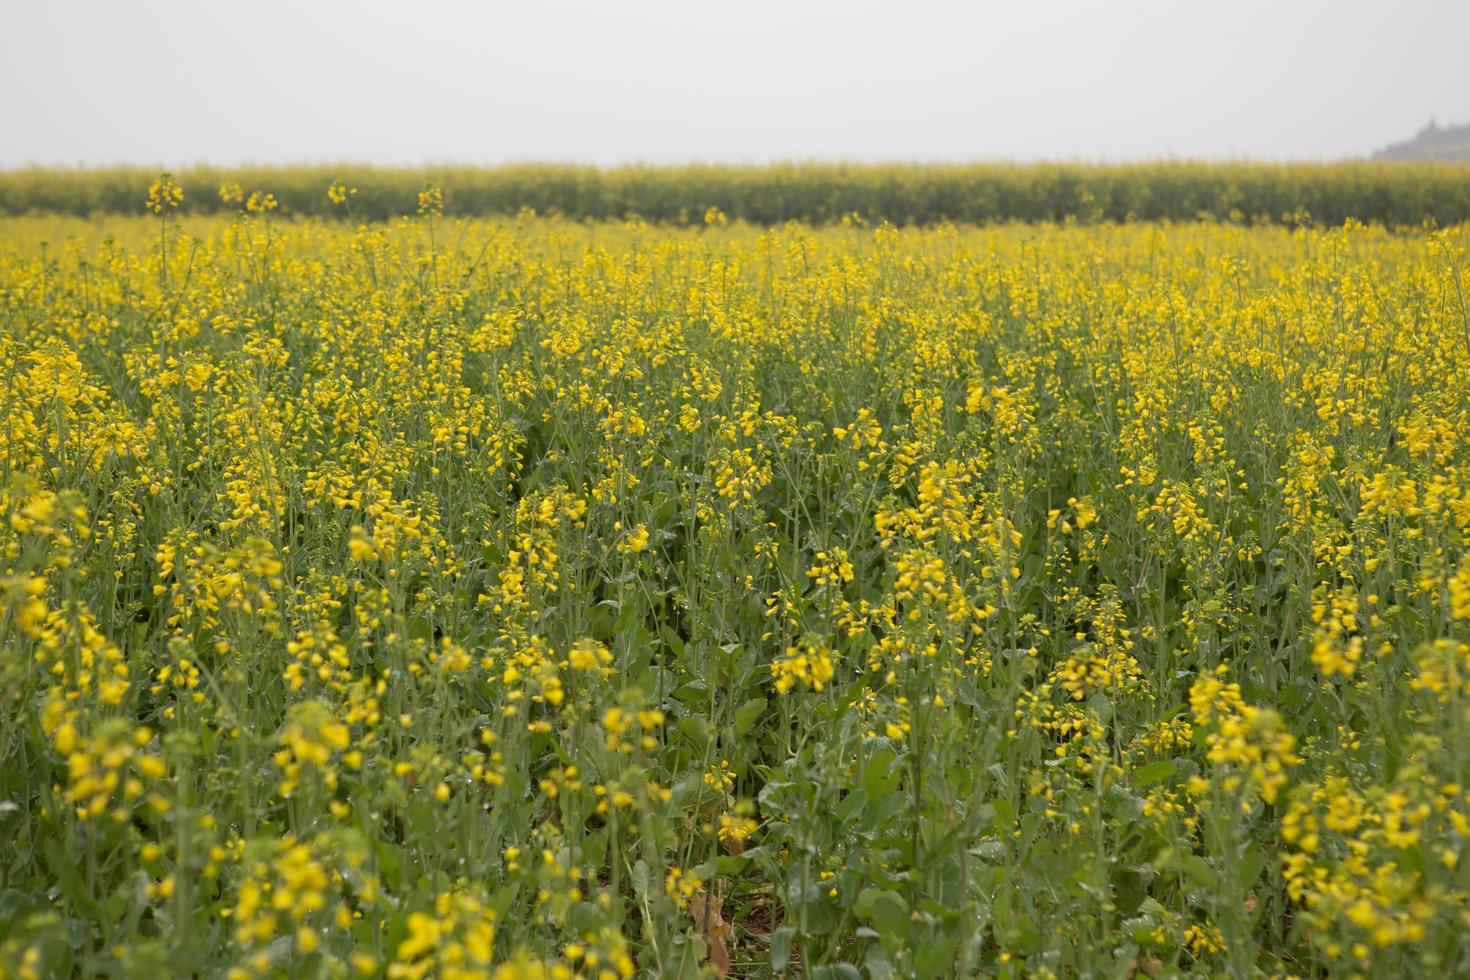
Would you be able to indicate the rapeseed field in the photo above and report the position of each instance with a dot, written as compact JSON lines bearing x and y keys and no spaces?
{"x":528,"y":598}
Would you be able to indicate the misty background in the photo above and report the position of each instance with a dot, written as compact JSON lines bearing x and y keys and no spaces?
{"x":167,"y":82}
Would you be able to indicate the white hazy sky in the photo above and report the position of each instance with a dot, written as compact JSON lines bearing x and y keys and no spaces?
{"x":172,"y":82}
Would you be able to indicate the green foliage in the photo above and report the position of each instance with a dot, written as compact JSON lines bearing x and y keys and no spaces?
{"x":1389,"y":194}
{"x":536,"y":599}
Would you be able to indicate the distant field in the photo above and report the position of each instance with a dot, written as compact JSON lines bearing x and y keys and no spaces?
{"x":1390,"y":194}
{"x":550,"y":599}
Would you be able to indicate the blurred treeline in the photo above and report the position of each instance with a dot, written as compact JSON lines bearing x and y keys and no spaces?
{"x":1389,"y":194}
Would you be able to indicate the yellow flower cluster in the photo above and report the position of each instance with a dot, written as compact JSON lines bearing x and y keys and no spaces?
{"x":1252,"y":745}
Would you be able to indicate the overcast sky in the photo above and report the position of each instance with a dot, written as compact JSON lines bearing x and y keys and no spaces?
{"x":171,"y":82}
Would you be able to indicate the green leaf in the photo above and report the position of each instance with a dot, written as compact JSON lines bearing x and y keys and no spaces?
{"x":1252,"y":863}
{"x":68,"y":879}
{"x":781,"y":947}
{"x":887,"y":911}
{"x":1198,"y":870}
{"x":748,"y":714}
{"x":695,"y":728}
{"x":880,"y":966}
{"x":934,"y":959}
{"x":877,"y":779}
{"x":1153,"y":772}
{"x":852,"y":805}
